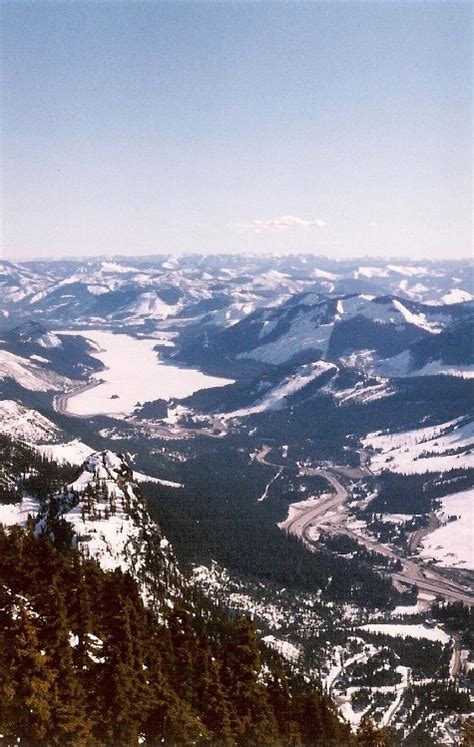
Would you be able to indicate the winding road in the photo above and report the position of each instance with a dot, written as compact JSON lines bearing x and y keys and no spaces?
{"x":60,"y":401}
{"x":327,"y":513}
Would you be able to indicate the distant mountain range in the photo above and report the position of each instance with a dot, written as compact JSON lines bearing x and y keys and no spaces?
{"x":221,"y":288}
{"x":284,"y":327}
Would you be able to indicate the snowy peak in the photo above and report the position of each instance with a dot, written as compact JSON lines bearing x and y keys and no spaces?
{"x":109,"y":522}
{"x":105,"y":465}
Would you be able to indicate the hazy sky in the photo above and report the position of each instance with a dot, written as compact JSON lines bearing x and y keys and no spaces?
{"x":338,"y":128}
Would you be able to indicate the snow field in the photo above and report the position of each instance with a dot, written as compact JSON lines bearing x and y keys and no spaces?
{"x":452,"y":543}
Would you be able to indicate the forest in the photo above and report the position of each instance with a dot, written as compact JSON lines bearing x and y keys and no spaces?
{"x":219,"y":515}
{"x":84,"y":662}
{"x":416,"y":494}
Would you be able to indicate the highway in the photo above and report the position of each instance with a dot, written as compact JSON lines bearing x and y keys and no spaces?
{"x":417,"y":536}
{"x":60,"y":401}
{"x":327,"y":514}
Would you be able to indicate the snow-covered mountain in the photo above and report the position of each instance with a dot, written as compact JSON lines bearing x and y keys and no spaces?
{"x":100,"y":513}
{"x":111,"y":524}
{"x":356,"y":329}
{"x":144,"y":291}
{"x":287,"y":329}
{"x":30,"y":373}
{"x":25,"y":424}
{"x":37,"y":359}
{"x":325,"y":390}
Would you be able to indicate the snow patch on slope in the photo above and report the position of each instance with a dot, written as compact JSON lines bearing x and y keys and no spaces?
{"x":434,"y":449}
{"x":19,"y":422}
{"x":28,"y":374}
{"x":304,"y":334}
{"x":456,"y":295}
{"x":401,"y":365}
{"x":74,"y":452}
{"x":18,"y":513}
{"x":284,"y":648}
{"x":275,"y":399}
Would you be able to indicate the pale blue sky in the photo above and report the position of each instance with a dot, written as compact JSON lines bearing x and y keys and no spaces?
{"x":136,"y":128}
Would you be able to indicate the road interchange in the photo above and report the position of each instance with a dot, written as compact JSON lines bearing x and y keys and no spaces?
{"x":327,"y":513}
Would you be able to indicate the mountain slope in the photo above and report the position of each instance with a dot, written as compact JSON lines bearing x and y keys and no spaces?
{"x":109,"y":522}
{"x":84,"y":660}
{"x":311,"y":325}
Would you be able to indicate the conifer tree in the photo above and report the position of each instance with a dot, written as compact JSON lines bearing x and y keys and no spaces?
{"x":123,"y":675}
{"x":25,"y":696}
{"x":183,"y":641}
{"x":68,"y":725}
{"x":369,"y":736}
{"x":253,"y":719}
{"x":209,"y":697}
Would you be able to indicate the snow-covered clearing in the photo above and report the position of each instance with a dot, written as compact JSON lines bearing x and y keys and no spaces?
{"x":133,"y":373}
{"x":408,"y":631}
{"x":412,"y":609}
{"x":452,"y":544}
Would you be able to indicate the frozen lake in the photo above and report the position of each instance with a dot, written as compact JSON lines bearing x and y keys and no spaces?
{"x":133,"y":373}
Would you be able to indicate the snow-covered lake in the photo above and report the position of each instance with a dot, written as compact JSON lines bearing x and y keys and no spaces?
{"x":133,"y":373}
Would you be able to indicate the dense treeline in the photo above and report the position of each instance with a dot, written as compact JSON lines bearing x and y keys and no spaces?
{"x":457,"y":618}
{"x":427,"y":399}
{"x":342,"y":544}
{"x":416,"y":494}
{"x":83,"y":662}
{"x":426,"y":659}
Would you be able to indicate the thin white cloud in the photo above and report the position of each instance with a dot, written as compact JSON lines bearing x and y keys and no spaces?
{"x":282,"y":223}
